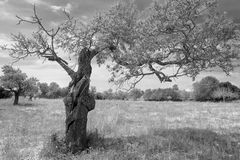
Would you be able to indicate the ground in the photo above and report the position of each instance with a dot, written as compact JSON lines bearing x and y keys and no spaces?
{"x":123,"y":130}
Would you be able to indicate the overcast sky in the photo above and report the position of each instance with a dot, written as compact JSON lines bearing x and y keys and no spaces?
{"x":51,"y":12}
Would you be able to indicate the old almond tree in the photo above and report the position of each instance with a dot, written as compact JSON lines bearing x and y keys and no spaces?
{"x":186,"y":35}
{"x":15,"y":81}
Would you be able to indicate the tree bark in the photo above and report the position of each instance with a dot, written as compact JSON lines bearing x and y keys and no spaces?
{"x":16,"y":98}
{"x":78,"y":103}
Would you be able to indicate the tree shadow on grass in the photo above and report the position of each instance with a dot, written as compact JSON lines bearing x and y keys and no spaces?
{"x":29,"y":104}
{"x":176,"y":144}
{"x":26,"y":104}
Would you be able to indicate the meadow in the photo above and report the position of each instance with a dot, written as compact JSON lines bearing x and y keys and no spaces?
{"x":123,"y":130}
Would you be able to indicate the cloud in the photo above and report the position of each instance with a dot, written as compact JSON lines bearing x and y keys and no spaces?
{"x":36,"y":2}
{"x":2,"y":2}
{"x":4,"y":39}
{"x":67,"y":8}
{"x":56,"y":8}
{"x":100,"y":77}
{"x":46,"y":73}
{"x":4,"y":13}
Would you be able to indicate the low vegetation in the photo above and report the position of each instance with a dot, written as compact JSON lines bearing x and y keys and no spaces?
{"x":127,"y":130}
{"x":210,"y":89}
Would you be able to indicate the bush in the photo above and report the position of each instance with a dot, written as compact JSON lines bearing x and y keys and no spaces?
{"x":209,"y":89}
{"x":147,"y":94}
{"x":184,"y":95}
{"x":230,"y":86}
{"x":203,"y":90}
{"x":162,"y":95}
{"x":135,"y":94}
{"x":99,"y":96}
{"x":224,"y":94}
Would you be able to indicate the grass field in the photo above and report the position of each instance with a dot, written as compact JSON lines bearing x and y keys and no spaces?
{"x":124,"y":130}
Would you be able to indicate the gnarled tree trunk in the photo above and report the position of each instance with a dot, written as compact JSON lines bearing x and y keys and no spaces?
{"x":78,"y":103}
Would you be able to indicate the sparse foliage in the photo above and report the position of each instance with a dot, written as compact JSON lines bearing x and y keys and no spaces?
{"x":188,"y":36}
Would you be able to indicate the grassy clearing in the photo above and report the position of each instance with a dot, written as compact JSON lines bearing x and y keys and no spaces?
{"x":124,"y":130}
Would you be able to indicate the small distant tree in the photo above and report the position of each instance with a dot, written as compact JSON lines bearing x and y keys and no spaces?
{"x":17,"y":82}
{"x":44,"y":89}
{"x":54,"y":90}
{"x":184,"y":95}
{"x":175,"y":87}
{"x":162,"y":95}
{"x":157,"y":95}
{"x":108,"y":94}
{"x":171,"y":94}
{"x":224,"y":94}
{"x":203,"y":90}
{"x":120,"y":95}
{"x":135,"y":94}
{"x":31,"y":87}
{"x":63,"y":92}
{"x":226,"y":91}
{"x":147,"y":94}
{"x":99,"y":96}
{"x":230,"y":87}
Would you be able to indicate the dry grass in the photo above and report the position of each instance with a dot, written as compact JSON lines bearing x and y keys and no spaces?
{"x":124,"y":130}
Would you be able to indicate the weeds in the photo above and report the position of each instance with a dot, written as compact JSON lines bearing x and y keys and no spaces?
{"x":10,"y":152}
{"x":179,"y":144}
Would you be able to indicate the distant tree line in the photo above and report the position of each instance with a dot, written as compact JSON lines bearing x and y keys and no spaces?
{"x":168,"y":94}
{"x":210,"y":89}
{"x":15,"y":82}
{"x":52,"y":91}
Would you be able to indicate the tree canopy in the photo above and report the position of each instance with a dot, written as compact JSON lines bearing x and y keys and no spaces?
{"x":189,"y":36}
{"x":17,"y":82}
